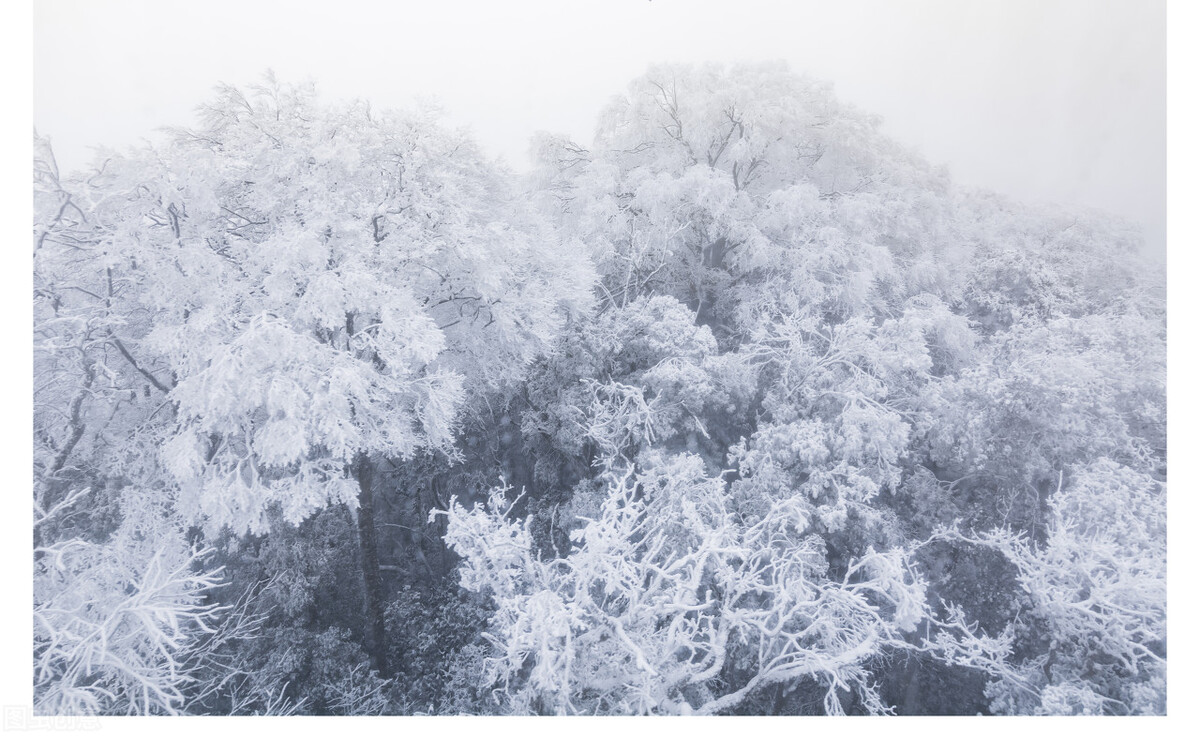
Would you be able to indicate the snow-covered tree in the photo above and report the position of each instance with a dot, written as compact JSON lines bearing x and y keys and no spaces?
{"x":715,"y":184}
{"x":117,"y":625}
{"x":327,"y":286}
{"x":1091,"y":635}
{"x":324,"y":283}
{"x":669,"y":603}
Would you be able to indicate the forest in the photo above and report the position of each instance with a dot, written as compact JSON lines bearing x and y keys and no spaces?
{"x":740,"y":408}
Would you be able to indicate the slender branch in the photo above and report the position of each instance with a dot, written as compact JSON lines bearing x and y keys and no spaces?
{"x":129,"y":357}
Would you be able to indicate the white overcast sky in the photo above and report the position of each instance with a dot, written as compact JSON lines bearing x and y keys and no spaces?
{"x":1059,"y":100}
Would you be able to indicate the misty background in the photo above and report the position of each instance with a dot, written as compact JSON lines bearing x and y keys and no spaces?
{"x":1054,"y":100}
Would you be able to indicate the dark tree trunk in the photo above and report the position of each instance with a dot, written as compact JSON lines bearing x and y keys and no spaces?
{"x":372,"y":582}
{"x":912,"y":695}
{"x":437,"y":489}
{"x":707,"y":291}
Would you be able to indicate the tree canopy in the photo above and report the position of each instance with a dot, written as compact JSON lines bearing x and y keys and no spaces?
{"x":740,"y":408}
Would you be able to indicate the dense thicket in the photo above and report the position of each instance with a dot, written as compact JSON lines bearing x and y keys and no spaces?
{"x":741,"y":408}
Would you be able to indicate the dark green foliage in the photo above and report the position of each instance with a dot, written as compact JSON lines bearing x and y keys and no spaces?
{"x":437,"y":650}
{"x":301,"y":671}
{"x":313,"y":571}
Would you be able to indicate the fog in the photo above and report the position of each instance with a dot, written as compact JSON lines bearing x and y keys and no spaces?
{"x":744,"y":412}
{"x":1059,"y":100}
